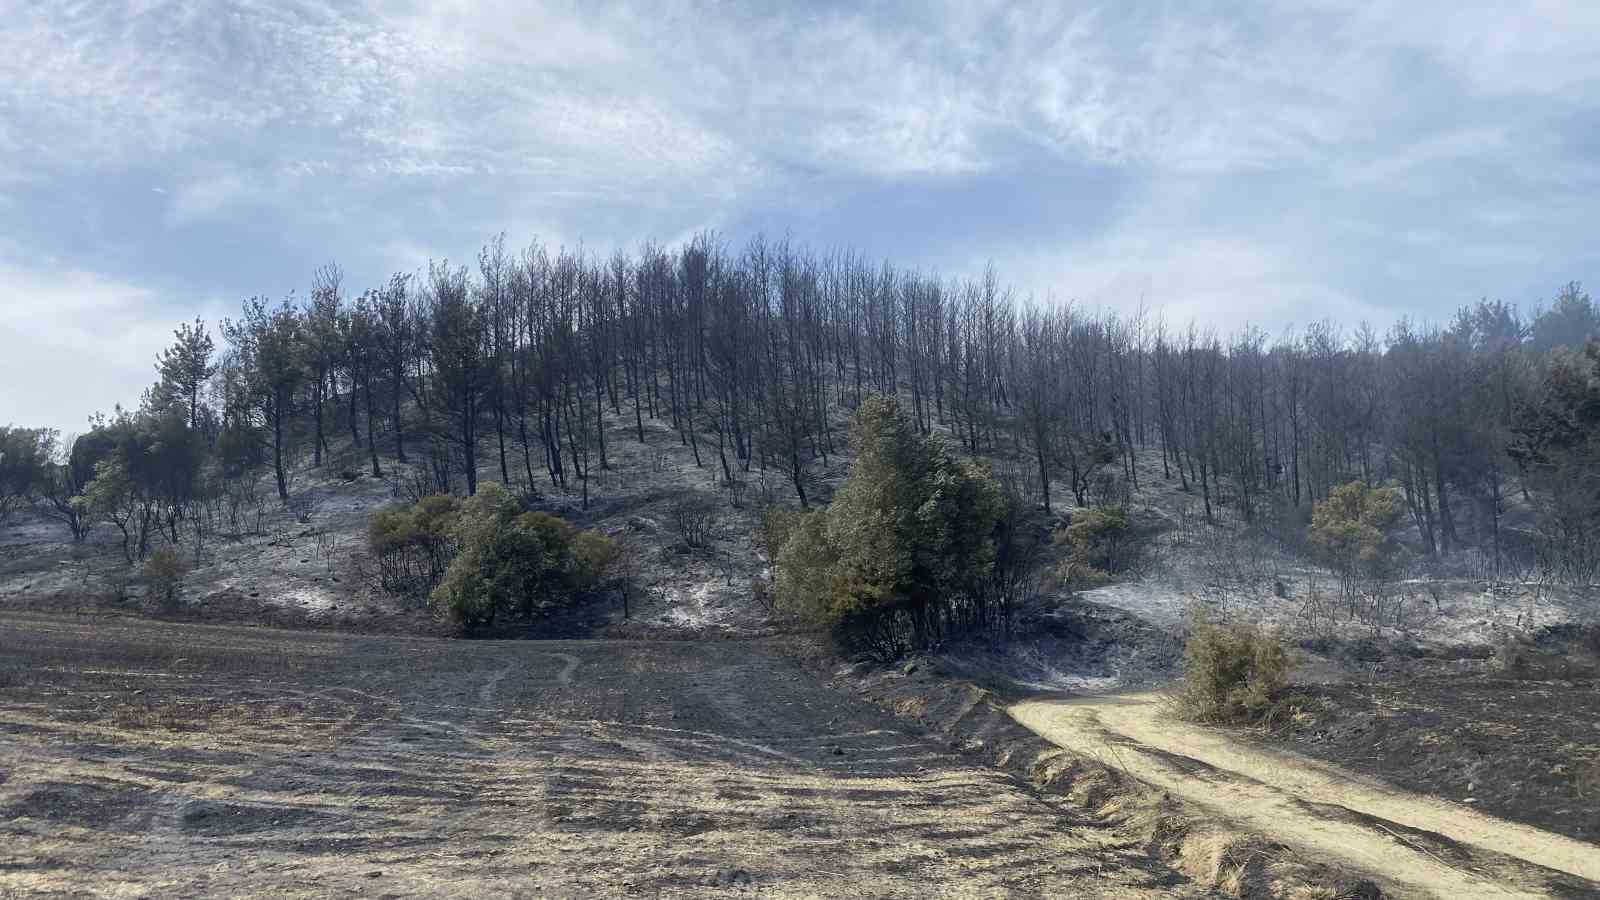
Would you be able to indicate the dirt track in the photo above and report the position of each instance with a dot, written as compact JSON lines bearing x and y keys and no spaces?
{"x":1417,"y":844}
{"x":150,"y":759}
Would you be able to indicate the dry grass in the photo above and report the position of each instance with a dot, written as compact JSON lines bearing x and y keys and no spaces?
{"x":468,"y":769}
{"x":1215,"y":855}
{"x":312,"y":722}
{"x":1234,"y":674}
{"x":1518,"y":657}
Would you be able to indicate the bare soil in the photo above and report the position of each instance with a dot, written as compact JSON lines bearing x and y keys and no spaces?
{"x":1415,"y":845}
{"x":1194,"y":837}
{"x":151,"y":759}
{"x":1523,"y":747}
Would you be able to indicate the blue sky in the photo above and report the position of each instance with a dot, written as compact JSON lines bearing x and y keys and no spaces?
{"x":1228,"y":163}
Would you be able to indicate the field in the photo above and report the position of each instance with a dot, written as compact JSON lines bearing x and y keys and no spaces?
{"x":150,"y":759}
{"x":367,"y":752}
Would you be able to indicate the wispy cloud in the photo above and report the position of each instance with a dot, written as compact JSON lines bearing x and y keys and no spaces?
{"x":1258,"y":161}
{"x":75,"y":342}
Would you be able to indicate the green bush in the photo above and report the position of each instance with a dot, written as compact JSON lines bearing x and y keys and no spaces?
{"x":773,"y":530}
{"x":413,"y":547}
{"x":593,"y":556}
{"x":500,"y":564}
{"x":512,"y":562}
{"x":905,"y":554}
{"x":804,"y":580}
{"x":1096,"y":543}
{"x":164,"y":572}
{"x":1234,"y":674}
{"x":1353,"y":533}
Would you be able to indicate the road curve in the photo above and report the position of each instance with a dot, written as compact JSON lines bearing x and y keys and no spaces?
{"x":1419,"y":844}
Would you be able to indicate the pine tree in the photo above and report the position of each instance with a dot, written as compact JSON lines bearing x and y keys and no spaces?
{"x":185,"y":367}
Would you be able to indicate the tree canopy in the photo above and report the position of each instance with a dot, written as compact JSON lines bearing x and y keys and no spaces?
{"x":905,"y":554}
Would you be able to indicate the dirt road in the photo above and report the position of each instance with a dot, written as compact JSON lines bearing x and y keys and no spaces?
{"x":1419,"y":845}
{"x":142,"y":759}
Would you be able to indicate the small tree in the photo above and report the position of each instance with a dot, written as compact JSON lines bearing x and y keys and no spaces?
{"x":164,"y":572}
{"x":109,"y":495}
{"x":627,"y":569}
{"x":1353,"y":531}
{"x":903,"y":556}
{"x":693,"y":520}
{"x":185,"y":367}
{"x":24,"y":466}
{"x":65,"y":481}
{"x":1096,"y":542}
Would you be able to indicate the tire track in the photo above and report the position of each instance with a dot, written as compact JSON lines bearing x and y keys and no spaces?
{"x":1317,"y":807}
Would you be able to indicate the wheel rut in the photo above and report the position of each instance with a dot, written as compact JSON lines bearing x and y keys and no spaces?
{"x":291,"y":765}
{"x":1420,"y":845}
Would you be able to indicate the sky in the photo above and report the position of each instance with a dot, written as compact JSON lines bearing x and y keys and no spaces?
{"x":1223,"y":163}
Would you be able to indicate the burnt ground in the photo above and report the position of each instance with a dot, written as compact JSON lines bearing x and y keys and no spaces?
{"x":1520,"y":745}
{"x":143,"y":758}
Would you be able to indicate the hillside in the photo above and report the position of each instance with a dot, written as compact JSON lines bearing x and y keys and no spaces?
{"x":306,"y":565}
{"x":306,"y":562}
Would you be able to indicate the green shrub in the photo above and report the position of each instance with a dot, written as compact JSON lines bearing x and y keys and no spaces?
{"x":1096,"y":543}
{"x":1353,"y":533}
{"x":905,"y":554}
{"x":500,"y":564}
{"x":805,"y":584}
{"x":413,"y":547}
{"x":164,"y":572}
{"x":1234,"y":674}
{"x":773,"y":530}
{"x":511,"y":562}
{"x":594,"y":555}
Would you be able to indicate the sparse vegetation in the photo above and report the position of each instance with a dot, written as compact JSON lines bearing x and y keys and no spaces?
{"x":750,"y":359}
{"x":1096,"y":542}
{"x":1233,"y":565}
{"x":163,"y":572}
{"x":1234,"y":673}
{"x":694,"y":520}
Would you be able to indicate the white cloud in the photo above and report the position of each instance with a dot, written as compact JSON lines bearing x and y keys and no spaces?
{"x":590,"y":94}
{"x":202,"y":198}
{"x":75,"y":341}
{"x":1279,"y":158}
{"x":1543,"y":48}
{"x":66,"y":335}
{"x":1219,"y":282}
